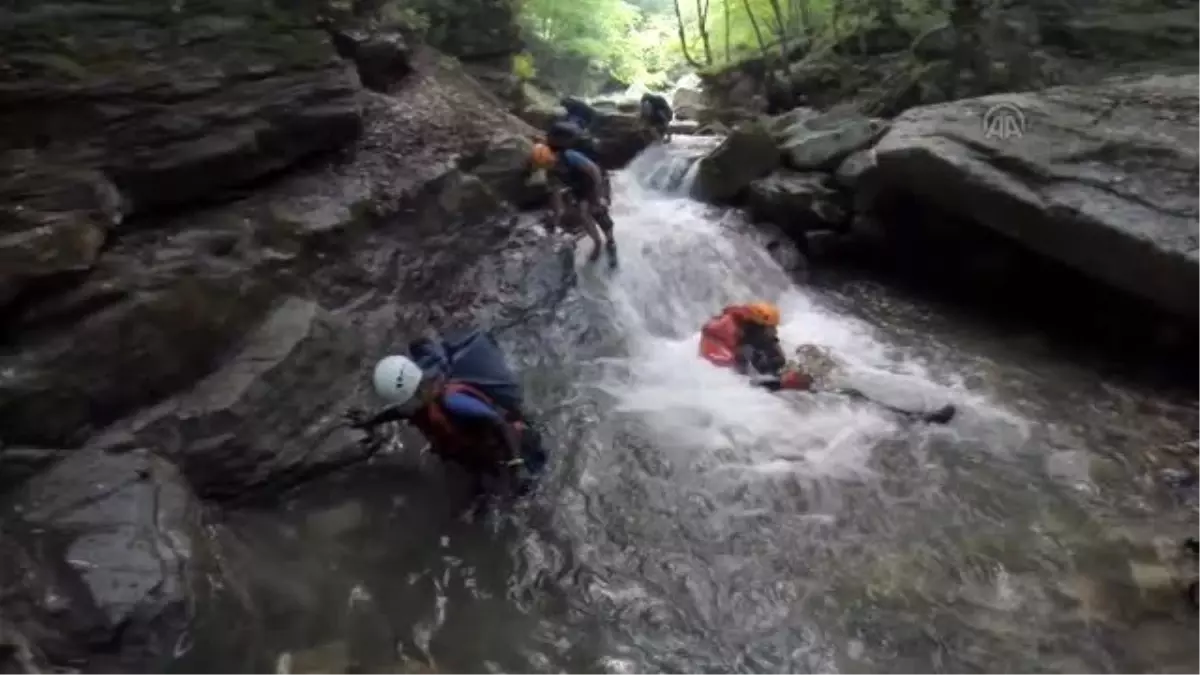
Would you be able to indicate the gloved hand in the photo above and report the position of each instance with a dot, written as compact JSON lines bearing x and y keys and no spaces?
{"x":795,"y":379}
{"x":356,"y":418}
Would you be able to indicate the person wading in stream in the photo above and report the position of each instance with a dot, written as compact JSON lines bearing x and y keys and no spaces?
{"x":462,"y":396}
{"x":745,"y":338}
{"x":656,"y":113}
{"x":578,"y":181}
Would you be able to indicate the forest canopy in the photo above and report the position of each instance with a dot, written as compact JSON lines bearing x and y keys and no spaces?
{"x":653,"y":41}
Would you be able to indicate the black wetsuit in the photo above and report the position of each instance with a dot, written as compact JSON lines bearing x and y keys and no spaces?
{"x":760,"y":350}
{"x":657,"y":112}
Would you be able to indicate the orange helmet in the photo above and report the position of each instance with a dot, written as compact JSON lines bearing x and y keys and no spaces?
{"x":541,"y":156}
{"x":762,"y":313}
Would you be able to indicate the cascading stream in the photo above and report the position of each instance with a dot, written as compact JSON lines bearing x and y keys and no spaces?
{"x":692,"y":523}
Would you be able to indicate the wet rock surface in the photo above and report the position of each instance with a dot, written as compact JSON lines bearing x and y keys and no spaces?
{"x":104,"y":561}
{"x":199,"y":340}
{"x":820,"y":142}
{"x":107,"y":116}
{"x":747,"y":154}
{"x":1086,"y":199}
{"x":382,"y":57}
{"x":162,"y":307}
{"x":688,"y":104}
{"x":797,"y":201}
{"x":1102,"y":179}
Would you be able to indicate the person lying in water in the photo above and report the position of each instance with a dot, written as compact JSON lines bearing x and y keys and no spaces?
{"x":466,"y":404}
{"x":746,"y":339}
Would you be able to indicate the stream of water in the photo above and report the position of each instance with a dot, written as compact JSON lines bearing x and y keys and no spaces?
{"x":690,"y":523}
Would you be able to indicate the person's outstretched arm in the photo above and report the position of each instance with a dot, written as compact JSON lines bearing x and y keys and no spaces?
{"x":359,"y":419}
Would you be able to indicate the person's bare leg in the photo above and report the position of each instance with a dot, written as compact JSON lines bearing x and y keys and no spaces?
{"x":593,"y":230}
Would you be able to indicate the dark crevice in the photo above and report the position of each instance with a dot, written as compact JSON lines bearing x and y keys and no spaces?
{"x":981,"y":272}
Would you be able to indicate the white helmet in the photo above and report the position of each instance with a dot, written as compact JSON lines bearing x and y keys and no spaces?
{"x":397,"y":379}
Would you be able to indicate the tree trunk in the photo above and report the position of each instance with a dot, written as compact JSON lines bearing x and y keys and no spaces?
{"x":702,"y":20}
{"x":683,"y":38}
{"x":754,"y":23}
{"x":728,"y":56}
{"x":781,"y":31}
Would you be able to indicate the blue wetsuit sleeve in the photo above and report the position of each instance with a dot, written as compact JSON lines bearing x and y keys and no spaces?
{"x":469,"y":408}
{"x":575,"y":159}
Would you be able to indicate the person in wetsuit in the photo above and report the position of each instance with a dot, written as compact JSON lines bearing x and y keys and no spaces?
{"x":746,"y":339}
{"x":656,"y":113}
{"x":578,"y":183}
{"x":486,"y":433}
{"x":565,"y":134}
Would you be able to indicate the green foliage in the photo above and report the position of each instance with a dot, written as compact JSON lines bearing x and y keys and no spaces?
{"x":523,"y":66}
{"x":802,"y":25}
{"x":639,"y":40}
{"x":613,"y":36}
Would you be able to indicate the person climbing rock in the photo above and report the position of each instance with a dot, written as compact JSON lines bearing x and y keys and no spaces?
{"x":746,"y":338}
{"x":462,"y":396}
{"x":578,"y":183}
{"x":579,"y":113}
{"x":656,"y":113}
{"x":563,"y":135}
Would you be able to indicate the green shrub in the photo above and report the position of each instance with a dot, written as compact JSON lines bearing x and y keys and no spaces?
{"x":523,"y":66}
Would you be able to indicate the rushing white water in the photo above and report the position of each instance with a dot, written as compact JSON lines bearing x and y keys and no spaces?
{"x":681,"y":263}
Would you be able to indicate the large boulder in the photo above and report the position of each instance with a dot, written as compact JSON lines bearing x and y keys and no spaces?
{"x":1101,"y":178}
{"x":382,"y":58}
{"x":162,"y":307}
{"x":105,"y":562}
{"x":779,"y":124}
{"x":108,"y":116}
{"x":797,"y":202}
{"x":473,"y":29}
{"x":688,"y":103}
{"x":821,"y":142}
{"x":133,"y":338}
{"x":503,"y":166}
{"x":267,"y":415}
{"x":621,"y":137}
{"x":747,"y":154}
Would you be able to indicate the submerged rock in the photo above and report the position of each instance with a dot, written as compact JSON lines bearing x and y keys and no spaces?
{"x":1101,"y":178}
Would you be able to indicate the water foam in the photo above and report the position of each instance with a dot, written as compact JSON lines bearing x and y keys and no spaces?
{"x":683,"y":261}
